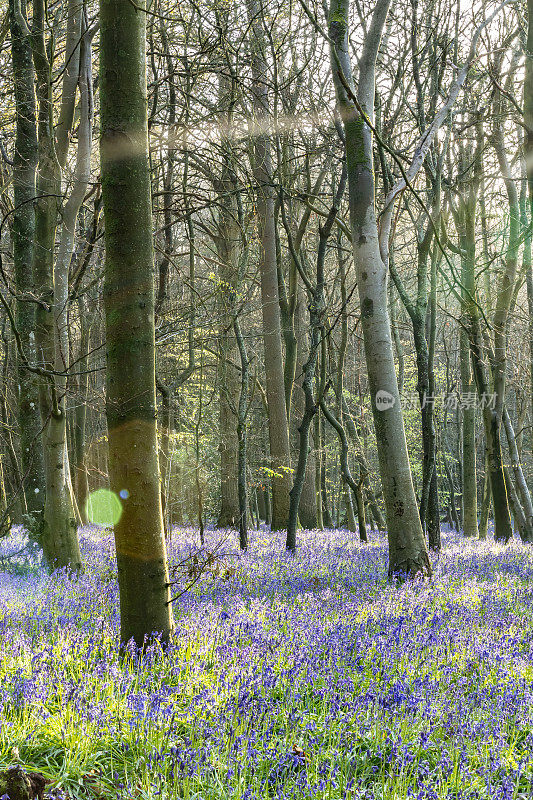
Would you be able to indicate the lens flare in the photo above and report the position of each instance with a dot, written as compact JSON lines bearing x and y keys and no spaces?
{"x":103,"y":508}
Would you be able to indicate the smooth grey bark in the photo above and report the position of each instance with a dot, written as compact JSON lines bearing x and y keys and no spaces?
{"x":407,"y":549}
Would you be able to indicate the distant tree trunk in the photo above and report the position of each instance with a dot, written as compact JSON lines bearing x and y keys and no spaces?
{"x":229,"y":244}
{"x":345,"y":469}
{"x":469,"y":500}
{"x":307,"y":510}
{"x":261,"y":505}
{"x":275,"y":384}
{"x":523,"y":494}
{"x":80,"y":422}
{"x":318,"y":472}
{"x":59,"y":539}
{"x":24,"y":172}
{"x":520,"y":523}
{"x":5,"y":521}
{"x":397,"y":340}
{"x":316,"y":314}
{"x":129,"y":308}
{"x":485,"y":504}
{"x":465,"y":221}
{"x":242,"y":412}
{"x":164,"y":455}
{"x":422,"y":315}
{"x":407,"y":549}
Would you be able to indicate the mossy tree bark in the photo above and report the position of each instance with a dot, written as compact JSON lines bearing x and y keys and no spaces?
{"x":129,"y":309}
{"x":24,"y":174}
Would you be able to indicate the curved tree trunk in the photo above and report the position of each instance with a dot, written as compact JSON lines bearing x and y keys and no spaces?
{"x":407,"y":549}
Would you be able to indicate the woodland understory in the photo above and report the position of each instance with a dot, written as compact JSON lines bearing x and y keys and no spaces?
{"x":266,"y":398}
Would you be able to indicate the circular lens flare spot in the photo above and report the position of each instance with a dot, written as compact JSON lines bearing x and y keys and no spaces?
{"x":103,"y":508}
{"x":124,"y":494}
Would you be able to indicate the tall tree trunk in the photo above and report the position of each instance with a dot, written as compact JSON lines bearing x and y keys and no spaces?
{"x":24,"y":172}
{"x":275,"y":384}
{"x":228,"y":244}
{"x":129,"y":308}
{"x":60,"y":542}
{"x":407,"y":548}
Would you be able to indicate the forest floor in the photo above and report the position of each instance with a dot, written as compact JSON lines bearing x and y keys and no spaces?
{"x":288,"y":678}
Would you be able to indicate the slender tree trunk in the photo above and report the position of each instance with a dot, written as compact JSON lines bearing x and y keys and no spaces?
{"x":485,"y":504}
{"x":242,"y":412}
{"x":60,"y":542}
{"x":228,"y":244}
{"x":469,"y":499}
{"x":307,"y":509}
{"x":275,"y":384}
{"x":318,"y":473}
{"x":345,"y":468}
{"x":80,"y":418}
{"x":429,"y":437}
{"x":521,"y":485}
{"x":398,"y":346}
{"x":520,"y":523}
{"x":129,"y":307}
